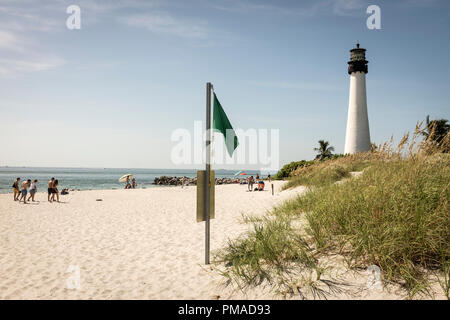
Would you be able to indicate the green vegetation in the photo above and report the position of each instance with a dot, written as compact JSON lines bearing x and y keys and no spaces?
{"x":291,"y":167}
{"x":325,"y":173}
{"x":395,"y":215}
{"x":437,"y":130}
{"x":325,"y":151}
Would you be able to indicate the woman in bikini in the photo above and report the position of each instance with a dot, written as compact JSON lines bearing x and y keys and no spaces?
{"x":33,"y":189}
{"x":55,"y":191}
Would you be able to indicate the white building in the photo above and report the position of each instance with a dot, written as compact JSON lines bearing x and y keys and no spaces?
{"x":357,"y":138}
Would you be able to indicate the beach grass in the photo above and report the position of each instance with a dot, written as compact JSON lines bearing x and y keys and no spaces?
{"x":325,"y":173}
{"x":395,"y":215}
{"x":274,"y":251}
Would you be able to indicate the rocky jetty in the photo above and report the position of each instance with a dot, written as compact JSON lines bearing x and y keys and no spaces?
{"x":176,"y":181}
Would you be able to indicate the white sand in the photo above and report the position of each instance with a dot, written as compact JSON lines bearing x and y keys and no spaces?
{"x":135,"y":244}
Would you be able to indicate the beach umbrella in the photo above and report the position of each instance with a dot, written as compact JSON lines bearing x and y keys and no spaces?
{"x":240,"y":173}
{"x":124,"y":177}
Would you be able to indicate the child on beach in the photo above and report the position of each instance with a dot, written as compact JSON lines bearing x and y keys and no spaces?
{"x":16,"y":189}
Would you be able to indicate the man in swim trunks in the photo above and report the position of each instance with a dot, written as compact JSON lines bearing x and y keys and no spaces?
{"x":16,"y":189}
{"x":25,"y":186}
{"x":50,"y":189}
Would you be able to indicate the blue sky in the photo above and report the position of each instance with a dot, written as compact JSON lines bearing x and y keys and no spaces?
{"x":111,"y":93}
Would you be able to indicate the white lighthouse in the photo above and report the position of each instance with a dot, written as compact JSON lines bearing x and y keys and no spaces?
{"x":357,"y":138}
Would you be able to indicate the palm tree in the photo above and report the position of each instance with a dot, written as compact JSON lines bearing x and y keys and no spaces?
{"x":324,"y":150}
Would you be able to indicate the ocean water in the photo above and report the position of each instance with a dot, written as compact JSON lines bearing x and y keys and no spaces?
{"x":92,"y":179}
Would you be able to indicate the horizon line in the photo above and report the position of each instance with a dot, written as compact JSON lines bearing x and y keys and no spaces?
{"x":44,"y":167}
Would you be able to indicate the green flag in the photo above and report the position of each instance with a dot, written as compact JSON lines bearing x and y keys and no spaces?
{"x":223,"y":125}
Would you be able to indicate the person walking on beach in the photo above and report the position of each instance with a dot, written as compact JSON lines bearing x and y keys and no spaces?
{"x":55,"y":190}
{"x":250,"y":183}
{"x":25,"y":186}
{"x":133,"y":183}
{"x":33,"y":189}
{"x":269,"y":177}
{"x":50,"y":189}
{"x":16,"y":190}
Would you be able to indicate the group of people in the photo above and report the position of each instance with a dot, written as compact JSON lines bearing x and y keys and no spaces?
{"x":21,"y":190}
{"x":52,"y":190}
{"x":133,"y":184}
{"x":251,"y":181}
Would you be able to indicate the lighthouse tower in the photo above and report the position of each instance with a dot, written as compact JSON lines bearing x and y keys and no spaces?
{"x":357,"y":137}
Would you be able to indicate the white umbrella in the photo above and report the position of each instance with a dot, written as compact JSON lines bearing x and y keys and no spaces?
{"x":124,"y":177}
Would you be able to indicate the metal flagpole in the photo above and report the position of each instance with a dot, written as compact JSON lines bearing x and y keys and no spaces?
{"x":208,"y":171}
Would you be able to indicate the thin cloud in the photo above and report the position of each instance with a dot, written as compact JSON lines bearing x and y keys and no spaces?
{"x":240,"y":6}
{"x":307,"y":86}
{"x":348,"y":7}
{"x":12,"y":67}
{"x":163,"y":23}
{"x":22,"y":55}
{"x":29,"y":18}
{"x":422,"y":3}
{"x":51,"y":15}
{"x":9,"y":41}
{"x":304,"y":8}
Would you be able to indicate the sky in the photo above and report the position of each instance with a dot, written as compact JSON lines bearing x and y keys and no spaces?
{"x":112,"y":93}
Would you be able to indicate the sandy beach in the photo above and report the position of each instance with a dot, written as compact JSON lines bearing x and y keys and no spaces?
{"x":134,"y":244}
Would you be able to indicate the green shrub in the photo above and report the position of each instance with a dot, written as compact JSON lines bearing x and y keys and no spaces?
{"x":287,"y":169}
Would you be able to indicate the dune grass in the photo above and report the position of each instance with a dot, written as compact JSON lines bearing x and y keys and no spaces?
{"x":324,"y":173}
{"x":396,"y":215}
